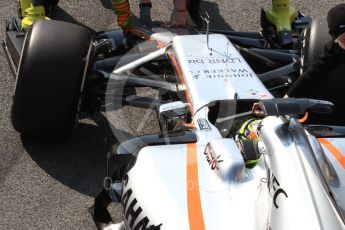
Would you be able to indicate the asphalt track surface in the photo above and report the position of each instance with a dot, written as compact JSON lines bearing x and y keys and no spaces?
{"x":52,"y":185}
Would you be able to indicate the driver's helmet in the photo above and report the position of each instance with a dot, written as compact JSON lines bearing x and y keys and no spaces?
{"x":248,"y":130}
{"x":247,"y":140}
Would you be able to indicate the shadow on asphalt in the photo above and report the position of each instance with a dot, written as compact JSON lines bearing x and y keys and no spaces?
{"x":79,"y":162}
{"x":60,"y":14}
{"x":106,"y":4}
{"x":217,"y":21}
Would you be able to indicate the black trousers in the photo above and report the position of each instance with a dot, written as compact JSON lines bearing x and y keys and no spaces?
{"x":46,"y":3}
{"x":193,"y":7}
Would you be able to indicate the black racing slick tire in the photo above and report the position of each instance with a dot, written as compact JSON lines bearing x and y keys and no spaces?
{"x":329,"y":88}
{"x":50,"y":78}
{"x":314,"y":40}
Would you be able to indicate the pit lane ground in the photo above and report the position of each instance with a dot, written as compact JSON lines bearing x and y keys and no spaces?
{"x":52,"y":185}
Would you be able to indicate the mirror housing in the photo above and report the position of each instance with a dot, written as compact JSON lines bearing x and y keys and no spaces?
{"x":295,"y":106}
{"x":174,"y":110}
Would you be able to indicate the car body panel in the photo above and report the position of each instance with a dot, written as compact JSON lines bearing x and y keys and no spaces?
{"x":283,"y":191}
{"x":336,"y":158}
{"x":303,"y":199}
{"x":216,"y":71}
{"x":205,"y":185}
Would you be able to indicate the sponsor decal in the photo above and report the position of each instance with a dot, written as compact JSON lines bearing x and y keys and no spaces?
{"x":132,"y":210}
{"x":196,"y":75}
{"x":227,"y":73}
{"x":203,"y":125}
{"x":275,"y":187}
{"x":213,"y":60}
{"x":222,"y":73}
{"x":211,"y":158}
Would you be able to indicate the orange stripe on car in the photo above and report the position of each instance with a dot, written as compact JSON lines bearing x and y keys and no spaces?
{"x":176,"y":65}
{"x":195,"y":215}
{"x":334,"y":150}
{"x":179,"y":73}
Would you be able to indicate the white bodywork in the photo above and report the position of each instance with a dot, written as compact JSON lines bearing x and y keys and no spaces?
{"x":216,"y":72}
{"x":338,"y":164}
{"x":177,"y":187}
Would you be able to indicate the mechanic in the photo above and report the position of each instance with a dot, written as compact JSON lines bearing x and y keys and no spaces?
{"x":334,"y":54}
{"x":32,"y":11}
{"x":124,"y":14}
{"x":186,"y":13}
{"x":193,"y":7}
{"x":180,"y":16}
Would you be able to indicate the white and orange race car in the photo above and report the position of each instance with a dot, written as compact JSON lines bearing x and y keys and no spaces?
{"x":195,"y":173}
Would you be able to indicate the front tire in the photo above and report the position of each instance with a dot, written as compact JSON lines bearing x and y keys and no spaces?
{"x":329,"y":88}
{"x":314,"y":40}
{"x":49,"y":79}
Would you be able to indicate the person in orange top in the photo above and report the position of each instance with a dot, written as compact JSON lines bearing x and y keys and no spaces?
{"x":179,"y":18}
{"x":123,"y":13}
{"x":33,"y":10}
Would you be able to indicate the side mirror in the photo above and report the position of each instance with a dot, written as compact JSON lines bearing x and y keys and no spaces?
{"x":170,"y":113}
{"x":174,"y":110}
{"x":295,"y":106}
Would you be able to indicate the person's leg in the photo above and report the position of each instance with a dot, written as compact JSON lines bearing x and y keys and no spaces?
{"x":48,"y":5}
{"x":180,"y":15}
{"x":123,"y":13}
{"x":32,"y":11}
{"x":145,"y":12}
{"x":193,"y":7}
{"x":24,"y":4}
